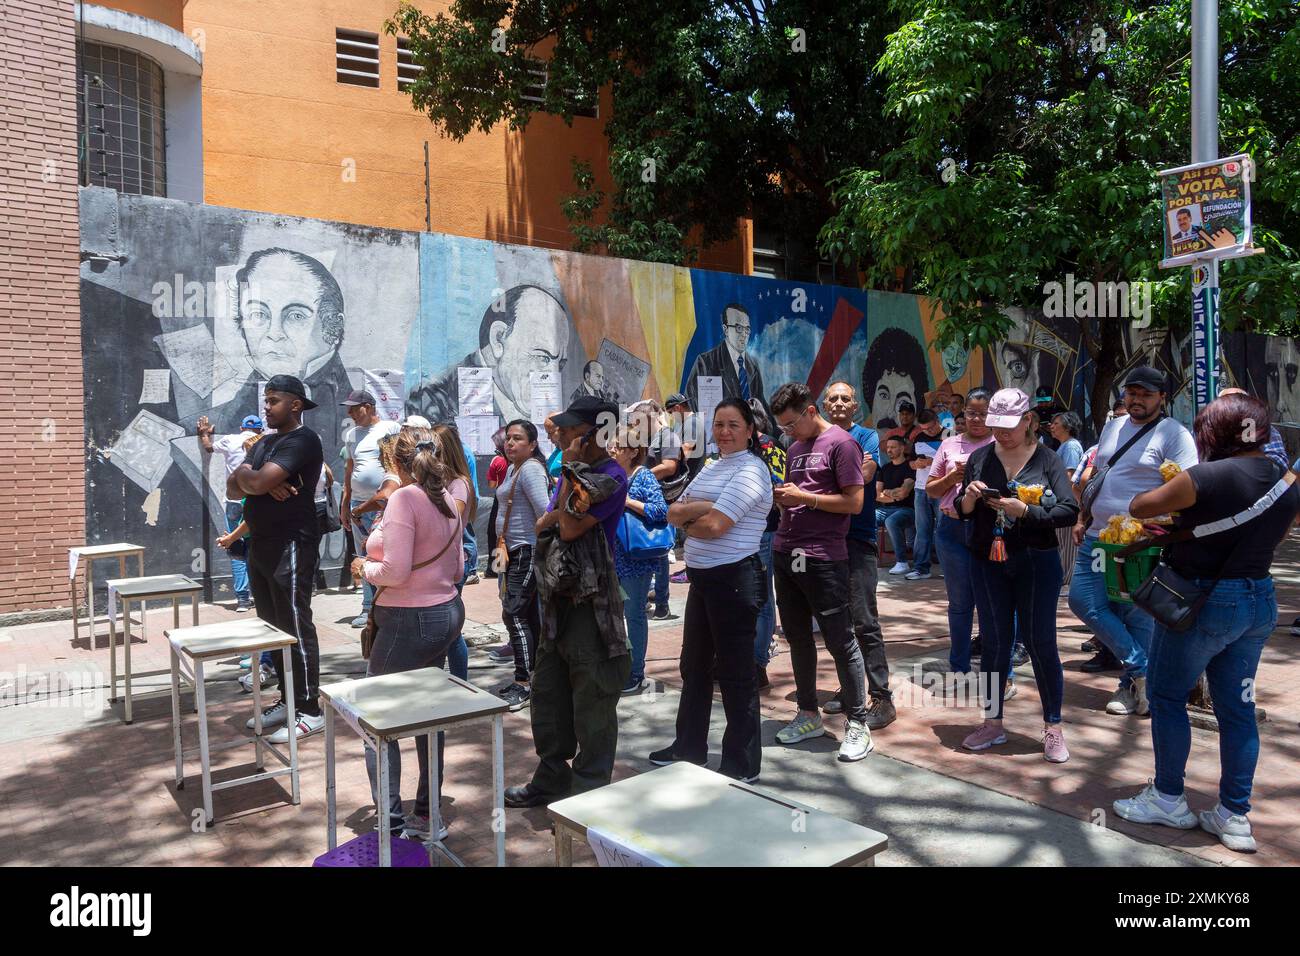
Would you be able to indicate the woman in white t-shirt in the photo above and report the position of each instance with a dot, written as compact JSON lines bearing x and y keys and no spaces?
{"x":723,"y":513}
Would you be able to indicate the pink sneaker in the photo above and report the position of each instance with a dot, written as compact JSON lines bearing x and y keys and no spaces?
{"x":1054,"y":748}
{"x":985,"y":737}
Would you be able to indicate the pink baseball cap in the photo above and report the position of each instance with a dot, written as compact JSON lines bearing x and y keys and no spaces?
{"x":1006,"y":408}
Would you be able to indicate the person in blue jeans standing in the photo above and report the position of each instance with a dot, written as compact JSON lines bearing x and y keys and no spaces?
{"x":645,"y":500}
{"x":233,"y":448}
{"x":947,"y":472}
{"x":924,"y":447}
{"x":774,"y":455}
{"x":1231,"y":561}
{"x":1131,"y":451}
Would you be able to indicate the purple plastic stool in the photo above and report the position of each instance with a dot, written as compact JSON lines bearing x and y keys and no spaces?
{"x":364,"y":851}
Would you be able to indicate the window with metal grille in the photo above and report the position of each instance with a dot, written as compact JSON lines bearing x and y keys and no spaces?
{"x":356,"y":58}
{"x":120,"y":105}
{"x":408,"y":71}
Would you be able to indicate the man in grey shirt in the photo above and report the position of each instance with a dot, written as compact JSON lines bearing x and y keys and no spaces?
{"x":1125,"y":628}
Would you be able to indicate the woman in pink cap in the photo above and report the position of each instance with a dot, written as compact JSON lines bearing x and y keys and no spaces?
{"x":1016,"y":493}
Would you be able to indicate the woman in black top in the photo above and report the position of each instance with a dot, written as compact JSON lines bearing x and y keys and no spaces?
{"x":1015,"y":569}
{"x":1228,"y":637}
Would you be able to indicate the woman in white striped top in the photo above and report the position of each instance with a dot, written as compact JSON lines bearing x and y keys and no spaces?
{"x":723,"y":514}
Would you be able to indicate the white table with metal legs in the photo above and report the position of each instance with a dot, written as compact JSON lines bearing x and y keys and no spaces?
{"x":392,"y":707}
{"x":197,"y":645}
{"x":90,"y":554}
{"x":156,"y":588}
{"x":684,"y":815}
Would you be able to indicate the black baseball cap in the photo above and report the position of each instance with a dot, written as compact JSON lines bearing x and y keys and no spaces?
{"x":1144,"y":376}
{"x":676,"y":398}
{"x":585,"y":410}
{"x":359,"y":396}
{"x":291,"y":385}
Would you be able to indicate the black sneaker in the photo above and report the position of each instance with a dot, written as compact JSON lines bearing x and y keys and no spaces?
{"x":1103,"y":660}
{"x":760,"y":675}
{"x":880,"y":713}
{"x":662,"y":614}
{"x":528,"y":796}
{"x":662,"y":758}
{"x":516,"y":695}
{"x":834,"y":705}
{"x":1019,"y":655}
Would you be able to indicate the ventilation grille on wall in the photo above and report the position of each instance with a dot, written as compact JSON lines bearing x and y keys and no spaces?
{"x":407,"y":69}
{"x":581,"y":102}
{"x":356,"y":58}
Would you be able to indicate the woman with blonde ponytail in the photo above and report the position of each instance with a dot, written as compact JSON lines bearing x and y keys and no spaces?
{"x":413,"y":557}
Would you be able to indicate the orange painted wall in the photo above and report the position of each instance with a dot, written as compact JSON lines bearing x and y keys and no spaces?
{"x":281,"y":135}
{"x":170,"y":12}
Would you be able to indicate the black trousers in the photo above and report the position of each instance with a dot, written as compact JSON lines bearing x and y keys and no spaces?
{"x":520,"y":611}
{"x":280,"y":575}
{"x":718,"y":641}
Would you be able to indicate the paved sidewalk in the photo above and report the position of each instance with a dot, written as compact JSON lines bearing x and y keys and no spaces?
{"x":79,"y":787}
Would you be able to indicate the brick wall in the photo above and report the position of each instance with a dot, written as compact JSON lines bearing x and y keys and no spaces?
{"x":42,"y":483}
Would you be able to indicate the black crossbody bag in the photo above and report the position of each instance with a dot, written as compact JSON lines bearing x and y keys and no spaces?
{"x":1172,"y":599}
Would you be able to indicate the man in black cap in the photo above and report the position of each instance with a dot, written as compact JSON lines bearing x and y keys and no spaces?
{"x":278,"y":483}
{"x":1129,"y":454}
{"x":583,"y":658}
{"x":363,"y":476}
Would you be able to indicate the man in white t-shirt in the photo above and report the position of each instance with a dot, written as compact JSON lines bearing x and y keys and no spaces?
{"x":1125,"y":628}
{"x":231,"y":448}
{"x":363,"y":476}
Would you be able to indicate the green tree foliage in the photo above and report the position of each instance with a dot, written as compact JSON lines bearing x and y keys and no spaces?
{"x":1032,"y":137}
{"x":721,"y":110}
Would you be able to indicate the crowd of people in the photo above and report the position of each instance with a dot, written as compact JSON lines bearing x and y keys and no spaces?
{"x":777,"y":509}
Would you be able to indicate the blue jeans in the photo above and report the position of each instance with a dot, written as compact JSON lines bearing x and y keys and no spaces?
{"x":365,"y":523}
{"x":637,"y":590}
{"x":767,"y":614}
{"x":896,"y":519}
{"x":662,"y":575}
{"x":1017,"y":598}
{"x":411,"y":638}
{"x":927,"y":517}
{"x":1124,"y":628}
{"x":238,"y":564}
{"x":956,"y":557}
{"x":1225,"y":644}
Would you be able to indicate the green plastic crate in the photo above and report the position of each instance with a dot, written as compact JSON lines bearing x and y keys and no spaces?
{"x":1132,"y":571}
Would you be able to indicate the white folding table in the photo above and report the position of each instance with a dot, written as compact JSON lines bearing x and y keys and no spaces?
{"x":156,"y":588}
{"x":197,"y":645}
{"x":90,"y":554}
{"x":685,"y":815}
{"x":392,"y":707}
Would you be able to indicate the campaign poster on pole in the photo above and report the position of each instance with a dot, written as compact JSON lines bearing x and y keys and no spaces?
{"x":1205,"y":208}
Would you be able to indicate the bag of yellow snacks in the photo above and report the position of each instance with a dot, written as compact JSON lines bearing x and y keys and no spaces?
{"x":1120,"y":529}
{"x":1030,"y":494}
{"x":1169,"y":468}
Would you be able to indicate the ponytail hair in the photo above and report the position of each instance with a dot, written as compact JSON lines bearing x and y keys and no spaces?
{"x":416,"y":452}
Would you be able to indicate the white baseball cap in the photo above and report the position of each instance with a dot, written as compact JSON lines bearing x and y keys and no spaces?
{"x":1006,"y":408}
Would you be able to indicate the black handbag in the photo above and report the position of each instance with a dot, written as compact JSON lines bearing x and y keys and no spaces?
{"x":1172,"y":599}
{"x":327,"y":513}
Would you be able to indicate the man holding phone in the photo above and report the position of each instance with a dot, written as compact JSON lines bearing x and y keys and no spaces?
{"x":581,"y":668}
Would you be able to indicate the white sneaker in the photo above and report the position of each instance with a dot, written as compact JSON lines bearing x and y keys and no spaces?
{"x":306,"y":726}
{"x":899,"y":568}
{"x":857,"y":742}
{"x":1235,"y":834}
{"x":246,"y":682}
{"x":273,"y":716}
{"x":1130,"y":699}
{"x":800,"y":729}
{"x":1146,"y":808}
{"x":917,"y":576}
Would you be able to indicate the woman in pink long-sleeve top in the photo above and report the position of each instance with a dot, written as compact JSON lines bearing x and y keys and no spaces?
{"x":413,"y":555}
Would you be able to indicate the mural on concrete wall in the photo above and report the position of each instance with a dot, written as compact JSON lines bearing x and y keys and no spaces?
{"x":188,"y":310}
